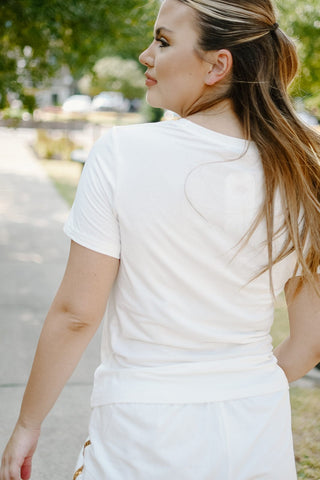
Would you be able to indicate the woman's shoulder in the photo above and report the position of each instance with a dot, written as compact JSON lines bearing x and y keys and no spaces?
{"x":144,"y":134}
{"x":140,"y":134}
{"x":139,"y":139}
{"x":143,"y":129}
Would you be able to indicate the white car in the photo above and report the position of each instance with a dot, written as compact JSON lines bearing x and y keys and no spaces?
{"x":308,"y":118}
{"x":110,"y":101}
{"x":77,"y":103}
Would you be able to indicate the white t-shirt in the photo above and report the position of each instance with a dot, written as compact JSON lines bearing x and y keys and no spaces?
{"x":186,"y":319}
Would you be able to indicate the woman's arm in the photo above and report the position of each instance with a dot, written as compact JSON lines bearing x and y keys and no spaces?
{"x":73,"y":318}
{"x":300,"y":352}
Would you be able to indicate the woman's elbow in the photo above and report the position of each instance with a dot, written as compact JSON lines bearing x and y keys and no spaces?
{"x":75,"y":318}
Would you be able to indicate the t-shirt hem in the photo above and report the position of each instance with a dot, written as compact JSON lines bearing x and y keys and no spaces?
{"x":84,"y":241}
{"x":221,"y":387}
{"x":98,"y":400}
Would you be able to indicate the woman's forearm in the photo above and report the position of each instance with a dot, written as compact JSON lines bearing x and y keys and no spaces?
{"x":73,"y":319}
{"x":296,"y":358}
{"x":61,"y":345}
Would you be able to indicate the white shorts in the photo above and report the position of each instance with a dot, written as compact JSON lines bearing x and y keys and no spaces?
{"x":245,"y":439}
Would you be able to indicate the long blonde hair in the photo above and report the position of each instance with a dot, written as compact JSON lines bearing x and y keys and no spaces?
{"x":264,"y":64}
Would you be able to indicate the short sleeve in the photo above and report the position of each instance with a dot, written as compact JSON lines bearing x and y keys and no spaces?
{"x":93,"y":221}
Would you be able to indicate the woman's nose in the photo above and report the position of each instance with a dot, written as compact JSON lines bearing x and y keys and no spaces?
{"x":146,"y":58}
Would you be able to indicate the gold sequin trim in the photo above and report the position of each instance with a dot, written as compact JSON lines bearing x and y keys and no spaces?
{"x":80,"y":470}
{"x":86,"y":445}
{"x":76,"y":475}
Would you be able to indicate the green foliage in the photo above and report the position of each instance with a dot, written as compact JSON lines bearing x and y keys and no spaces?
{"x":134,"y":31}
{"x":301,"y":20}
{"x":151,"y":114}
{"x":29,"y":102}
{"x":38,"y":37}
{"x":114,"y":74}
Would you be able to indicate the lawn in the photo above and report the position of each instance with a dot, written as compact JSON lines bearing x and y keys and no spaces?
{"x":305,"y":401}
{"x":306,"y":431}
{"x":65,"y":176}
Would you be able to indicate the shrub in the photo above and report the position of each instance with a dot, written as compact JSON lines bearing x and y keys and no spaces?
{"x":59,"y":148}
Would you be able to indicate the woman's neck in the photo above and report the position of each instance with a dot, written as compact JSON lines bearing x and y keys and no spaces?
{"x":221,"y":118}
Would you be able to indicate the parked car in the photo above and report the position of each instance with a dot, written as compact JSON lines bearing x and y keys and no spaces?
{"x":110,"y":101}
{"x":308,"y":118}
{"x":77,"y":103}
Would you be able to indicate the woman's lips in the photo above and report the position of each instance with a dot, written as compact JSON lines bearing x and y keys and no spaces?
{"x":150,"y":81}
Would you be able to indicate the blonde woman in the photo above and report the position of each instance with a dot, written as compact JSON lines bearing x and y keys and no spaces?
{"x":187,"y":230}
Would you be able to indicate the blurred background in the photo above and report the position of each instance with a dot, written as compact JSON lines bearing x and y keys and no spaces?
{"x":67,"y":65}
{"x":69,"y":71}
{"x":52,"y":50}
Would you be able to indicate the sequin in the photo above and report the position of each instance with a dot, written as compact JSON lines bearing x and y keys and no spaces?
{"x":80,"y":470}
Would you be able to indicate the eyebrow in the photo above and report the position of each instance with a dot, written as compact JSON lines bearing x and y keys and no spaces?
{"x":159,"y":30}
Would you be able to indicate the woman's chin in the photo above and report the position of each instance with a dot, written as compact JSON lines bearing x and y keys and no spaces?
{"x":154,"y":102}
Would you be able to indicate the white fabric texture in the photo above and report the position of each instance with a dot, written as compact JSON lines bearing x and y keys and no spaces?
{"x":245,"y":439}
{"x":187,"y":321}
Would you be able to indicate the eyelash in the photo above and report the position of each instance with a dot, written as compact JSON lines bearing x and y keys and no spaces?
{"x":163,"y":42}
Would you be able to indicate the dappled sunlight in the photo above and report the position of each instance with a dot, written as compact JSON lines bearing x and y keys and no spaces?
{"x":28,"y":257}
{"x":32,"y":214}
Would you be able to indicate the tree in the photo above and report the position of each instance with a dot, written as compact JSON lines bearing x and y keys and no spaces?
{"x":301,"y":20}
{"x":37,"y":37}
{"x":115,"y":74}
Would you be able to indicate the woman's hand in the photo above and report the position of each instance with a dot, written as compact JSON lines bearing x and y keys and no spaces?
{"x":17,"y":457}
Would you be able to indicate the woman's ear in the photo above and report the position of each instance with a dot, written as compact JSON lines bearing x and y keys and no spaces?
{"x":220,"y":65}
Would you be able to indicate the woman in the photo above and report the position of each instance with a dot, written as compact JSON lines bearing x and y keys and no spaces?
{"x":212,"y":215}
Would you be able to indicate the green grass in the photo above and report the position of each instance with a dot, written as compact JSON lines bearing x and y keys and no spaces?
{"x":305,"y":401}
{"x":305,"y":405}
{"x":66,"y":190}
{"x":65,"y":176}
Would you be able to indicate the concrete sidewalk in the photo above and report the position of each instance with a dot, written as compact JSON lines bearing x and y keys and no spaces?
{"x":33,"y":254}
